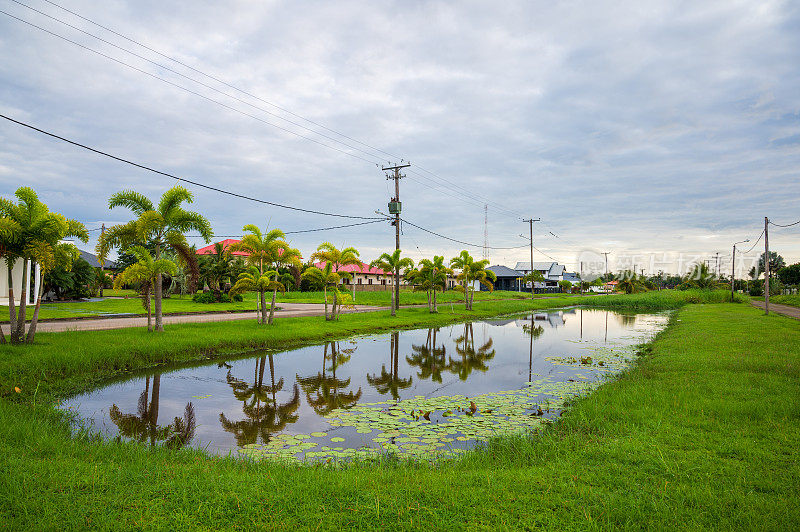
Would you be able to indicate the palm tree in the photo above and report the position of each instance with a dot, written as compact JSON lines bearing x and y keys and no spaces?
{"x":471,"y":271}
{"x":420,"y":282}
{"x":265,"y":415}
{"x":29,"y":231}
{"x":393,"y":263}
{"x":255,"y":281}
{"x":325,"y":392}
{"x":215,"y":267}
{"x":535,"y":276}
{"x":328,"y":253}
{"x":325,"y":277}
{"x":267,"y":250}
{"x":143,"y":425}
{"x":435,"y":272}
{"x":160,"y":227}
{"x":145,"y":273}
{"x":629,"y":282}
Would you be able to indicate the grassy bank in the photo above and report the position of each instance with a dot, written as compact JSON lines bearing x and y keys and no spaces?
{"x":792,"y":301}
{"x":702,"y":433}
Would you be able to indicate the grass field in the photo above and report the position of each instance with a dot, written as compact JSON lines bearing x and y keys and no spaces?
{"x":702,"y":433}
{"x":184,"y":304}
{"x":792,"y":300}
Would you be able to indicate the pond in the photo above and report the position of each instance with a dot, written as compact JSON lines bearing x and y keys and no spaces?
{"x":417,"y":393}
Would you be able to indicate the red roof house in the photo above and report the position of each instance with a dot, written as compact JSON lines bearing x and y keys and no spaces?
{"x":209,"y":249}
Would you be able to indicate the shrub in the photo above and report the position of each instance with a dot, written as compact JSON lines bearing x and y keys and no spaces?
{"x":215,"y":297}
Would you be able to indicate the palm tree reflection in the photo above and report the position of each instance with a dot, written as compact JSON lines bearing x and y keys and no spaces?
{"x":325,"y":392}
{"x":471,"y":358}
{"x":264,"y":416}
{"x":143,"y":425}
{"x":429,"y":358}
{"x":390,"y":382}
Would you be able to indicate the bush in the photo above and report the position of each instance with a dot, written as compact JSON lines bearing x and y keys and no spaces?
{"x":215,"y":297}
{"x":72,"y":284}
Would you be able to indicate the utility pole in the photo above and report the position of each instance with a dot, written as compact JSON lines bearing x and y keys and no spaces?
{"x":605,"y":277}
{"x":394,"y":208}
{"x":716,"y":264}
{"x":530,"y":221}
{"x":766,"y":266}
{"x":733,"y":266}
{"x":102,"y":263}
{"x":486,"y":231}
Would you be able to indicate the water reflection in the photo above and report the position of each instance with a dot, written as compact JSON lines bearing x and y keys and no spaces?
{"x":249,"y":402}
{"x":471,"y":358}
{"x":324,"y":391}
{"x":264,"y":415}
{"x":429,"y":358}
{"x":391,"y":382}
{"x":143,"y":425}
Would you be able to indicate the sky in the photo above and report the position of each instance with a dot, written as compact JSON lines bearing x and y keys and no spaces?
{"x":659,"y":132}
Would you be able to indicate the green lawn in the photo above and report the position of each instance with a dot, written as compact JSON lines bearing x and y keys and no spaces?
{"x":702,"y":433}
{"x":182,"y":304}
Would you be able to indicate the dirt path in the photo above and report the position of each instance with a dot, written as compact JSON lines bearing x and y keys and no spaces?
{"x":786,"y":310}
{"x":287,"y":310}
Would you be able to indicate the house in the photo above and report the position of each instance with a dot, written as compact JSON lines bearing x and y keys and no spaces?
{"x":551,"y":271}
{"x":507,"y":279}
{"x":31,"y":281}
{"x":228,"y":242}
{"x":574,"y":278}
{"x":364,"y":275}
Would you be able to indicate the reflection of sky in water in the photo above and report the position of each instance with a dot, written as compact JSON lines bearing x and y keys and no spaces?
{"x":462,"y":359}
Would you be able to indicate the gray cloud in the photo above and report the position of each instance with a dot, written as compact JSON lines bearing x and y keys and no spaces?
{"x":627,"y":127}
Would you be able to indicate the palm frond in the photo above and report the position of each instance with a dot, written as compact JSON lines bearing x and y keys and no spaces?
{"x":131,"y":199}
{"x":172,"y":199}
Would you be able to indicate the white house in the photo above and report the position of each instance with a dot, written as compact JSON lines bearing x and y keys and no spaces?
{"x":551,"y":271}
{"x":32,"y":281}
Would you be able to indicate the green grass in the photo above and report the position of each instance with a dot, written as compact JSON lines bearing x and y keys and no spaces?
{"x":702,"y":433}
{"x":122,"y":292}
{"x":407,"y":297}
{"x":131,"y":305}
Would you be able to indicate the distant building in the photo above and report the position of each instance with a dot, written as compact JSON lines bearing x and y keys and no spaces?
{"x":363,"y":274}
{"x":507,"y":279}
{"x":31,"y":282}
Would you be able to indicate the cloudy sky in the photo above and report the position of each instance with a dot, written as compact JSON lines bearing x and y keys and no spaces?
{"x":660,"y":132}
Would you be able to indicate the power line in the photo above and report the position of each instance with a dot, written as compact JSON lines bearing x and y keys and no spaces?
{"x":456,"y":240}
{"x":218,"y":80}
{"x":297,"y":232}
{"x":185,"y":89}
{"x":166,"y":174}
{"x":787,"y":225}
{"x":754,"y":245}
{"x":206,"y":85}
{"x":465,"y":192}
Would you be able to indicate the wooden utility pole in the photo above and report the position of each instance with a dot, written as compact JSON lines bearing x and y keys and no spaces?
{"x":716,"y":265}
{"x":733,"y":267}
{"x":102,"y":262}
{"x":394,"y":208}
{"x":530,"y":221}
{"x":605,"y":277}
{"x":766,"y":266}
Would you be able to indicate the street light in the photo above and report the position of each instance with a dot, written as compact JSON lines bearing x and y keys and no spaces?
{"x":733,"y":265}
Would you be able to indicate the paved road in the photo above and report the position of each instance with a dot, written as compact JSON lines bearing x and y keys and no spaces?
{"x":287,"y":310}
{"x":786,"y":310}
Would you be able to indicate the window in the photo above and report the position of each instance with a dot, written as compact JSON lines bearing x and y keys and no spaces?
{"x":359,"y":280}
{"x":369,"y":281}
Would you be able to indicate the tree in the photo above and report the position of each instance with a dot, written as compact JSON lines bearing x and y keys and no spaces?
{"x":161,"y":227}
{"x":392,"y":263}
{"x":215,"y":268}
{"x":267,"y":250}
{"x":255,"y":281}
{"x":534,"y":277}
{"x":29,"y":231}
{"x":776,"y":262}
{"x":145,"y":272}
{"x":565,"y":286}
{"x":71,"y":279}
{"x":434,"y":273}
{"x":790,"y":275}
{"x":471,"y":271}
{"x":329,"y":254}
{"x":629,"y":282}
{"x":323,"y":278}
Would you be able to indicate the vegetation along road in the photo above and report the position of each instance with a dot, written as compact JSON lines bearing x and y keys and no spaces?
{"x":701,"y":433}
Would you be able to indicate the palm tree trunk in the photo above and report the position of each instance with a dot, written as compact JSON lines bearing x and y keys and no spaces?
{"x":23,"y":303}
{"x":435,"y":309}
{"x":272,"y":306}
{"x":149,"y":311}
{"x":429,"y":300}
{"x":12,"y":310}
{"x":35,"y":318}
{"x":325,"y":292}
{"x":263,"y":308}
{"x":158,"y":294}
{"x":393,"y":305}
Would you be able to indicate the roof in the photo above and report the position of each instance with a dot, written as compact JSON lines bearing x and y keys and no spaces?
{"x":356,"y":268}
{"x":504,"y":271}
{"x":541,"y":266}
{"x":93,"y":260}
{"x":209,"y":249}
{"x":572,"y":277}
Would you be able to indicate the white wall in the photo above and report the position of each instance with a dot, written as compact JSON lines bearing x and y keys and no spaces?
{"x":16,"y":274}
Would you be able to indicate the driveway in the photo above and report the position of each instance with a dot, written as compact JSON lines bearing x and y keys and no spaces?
{"x":786,"y":310}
